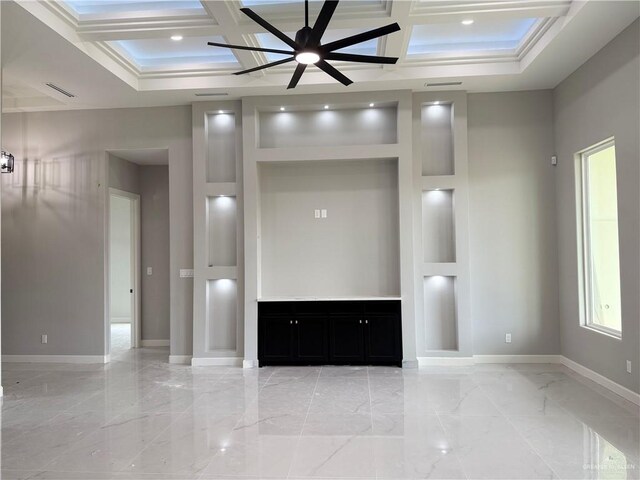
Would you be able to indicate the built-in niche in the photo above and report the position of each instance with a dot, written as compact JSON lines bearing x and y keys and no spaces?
{"x":221,"y":147}
{"x":436,"y":139}
{"x":438,"y":235}
{"x":352,"y":252}
{"x":440,"y":313}
{"x":328,"y":127}
{"x":222,"y":305}
{"x":222,"y":231}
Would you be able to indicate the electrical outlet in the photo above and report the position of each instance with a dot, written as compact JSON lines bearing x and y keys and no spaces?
{"x":44,"y":339}
{"x":628,"y":366}
{"x":316,"y":213}
{"x":149,"y":271}
{"x":507,"y":338}
{"x":323,"y":213}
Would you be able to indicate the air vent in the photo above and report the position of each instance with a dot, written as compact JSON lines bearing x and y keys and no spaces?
{"x":61,"y":90}
{"x":211,"y":94}
{"x":442,"y":84}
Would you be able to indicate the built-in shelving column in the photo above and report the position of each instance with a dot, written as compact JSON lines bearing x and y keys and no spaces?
{"x":218,"y":333}
{"x":443,"y":324}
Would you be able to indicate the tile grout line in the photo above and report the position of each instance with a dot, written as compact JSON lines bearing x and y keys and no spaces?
{"x":304,"y":424}
{"x":535,"y":451}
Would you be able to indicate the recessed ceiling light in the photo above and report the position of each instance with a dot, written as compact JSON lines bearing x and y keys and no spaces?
{"x":282,"y":109}
{"x":371,"y":104}
{"x":326,"y":107}
{"x":220,"y":111}
{"x":176,"y":38}
{"x":437,"y":102}
{"x":467,"y":22}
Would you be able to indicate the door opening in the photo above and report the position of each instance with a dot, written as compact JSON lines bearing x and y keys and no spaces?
{"x":124,"y":266}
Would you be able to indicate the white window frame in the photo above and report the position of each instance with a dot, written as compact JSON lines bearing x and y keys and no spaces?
{"x":583,"y":234}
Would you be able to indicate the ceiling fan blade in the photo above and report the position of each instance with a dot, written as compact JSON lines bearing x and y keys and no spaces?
{"x":253,"y":49}
{"x":272,"y":64}
{"x":348,"y":57}
{"x":324,"y":17}
{"x":329,"y":70}
{"x":361,"y":37}
{"x":296,"y":75}
{"x":267,"y":26}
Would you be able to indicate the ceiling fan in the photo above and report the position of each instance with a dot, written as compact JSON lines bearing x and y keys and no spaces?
{"x":307,"y":48}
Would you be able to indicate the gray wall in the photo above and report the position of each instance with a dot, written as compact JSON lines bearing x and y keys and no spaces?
{"x":154,"y":230}
{"x":512,"y":223}
{"x":354,"y":251}
{"x":53,"y":224}
{"x":600,"y":100}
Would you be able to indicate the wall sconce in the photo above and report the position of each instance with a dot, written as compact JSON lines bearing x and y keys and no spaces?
{"x":6,"y":162}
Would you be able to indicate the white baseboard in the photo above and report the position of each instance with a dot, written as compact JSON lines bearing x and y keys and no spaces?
{"x":120,"y":320}
{"x":445,"y":361}
{"x":180,"y":359}
{"x":250,"y":364}
{"x":56,"y":358}
{"x":555,"y":359}
{"x":216,"y":362}
{"x":154,"y":343}
{"x":601,"y":380}
{"x":516,"y":358}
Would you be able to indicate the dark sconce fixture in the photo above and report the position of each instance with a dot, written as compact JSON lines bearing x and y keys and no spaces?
{"x":6,"y":162}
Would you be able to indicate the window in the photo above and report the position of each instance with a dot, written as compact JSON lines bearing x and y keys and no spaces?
{"x":598,"y":238}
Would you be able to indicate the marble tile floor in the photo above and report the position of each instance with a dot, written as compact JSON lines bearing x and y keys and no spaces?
{"x":141,"y":418}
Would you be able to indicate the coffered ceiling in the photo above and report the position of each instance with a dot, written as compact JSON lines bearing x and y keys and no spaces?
{"x":474,"y":45}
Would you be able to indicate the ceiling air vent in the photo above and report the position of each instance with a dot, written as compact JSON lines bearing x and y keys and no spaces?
{"x":442,"y":84}
{"x":211,"y":94}
{"x":61,"y":90}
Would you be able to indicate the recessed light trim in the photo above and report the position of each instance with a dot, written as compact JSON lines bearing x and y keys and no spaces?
{"x":326,"y":107}
{"x":176,"y":38}
{"x":467,"y":21}
{"x":372,"y":105}
{"x":282,"y":109}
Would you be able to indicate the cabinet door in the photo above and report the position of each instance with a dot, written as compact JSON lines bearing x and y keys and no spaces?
{"x":346,"y":340}
{"x":276,"y":341}
{"x":311,"y":340}
{"x":382,"y":338}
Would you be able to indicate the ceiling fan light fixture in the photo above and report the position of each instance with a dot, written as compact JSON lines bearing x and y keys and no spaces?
{"x":307,"y":57}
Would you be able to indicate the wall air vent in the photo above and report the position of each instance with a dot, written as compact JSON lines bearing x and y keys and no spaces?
{"x":442,"y":84}
{"x":61,"y":90}
{"x":211,"y":94}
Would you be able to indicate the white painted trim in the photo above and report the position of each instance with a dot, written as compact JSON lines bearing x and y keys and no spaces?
{"x":120,"y":320}
{"x":445,"y":361}
{"x":217,"y":362}
{"x":180,"y":359}
{"x":1,"y":392}
{"x":516,"y":358}
{"x":250,"y":364}
{"x":56,"y":358}
{"x":601,"y":380}
{"x":155,"y":343}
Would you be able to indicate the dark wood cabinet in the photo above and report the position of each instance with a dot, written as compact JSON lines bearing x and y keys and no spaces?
{"x":331,"y":333}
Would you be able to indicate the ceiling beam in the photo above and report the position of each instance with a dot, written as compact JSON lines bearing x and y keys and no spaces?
{"x":224,"y":16}
{"x":396,"y":44}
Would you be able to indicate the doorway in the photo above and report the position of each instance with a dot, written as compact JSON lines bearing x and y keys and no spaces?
{"x":124,"y":267}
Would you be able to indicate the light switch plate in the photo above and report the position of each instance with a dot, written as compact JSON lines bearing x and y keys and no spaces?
{"x":628,"y":366}
{"x":186,"y":273}
{"x":316,"y":213}
{"x":323,"y":213}
{"x":44,"y":338}
{"x":149,"y":270}
{"x":507,"y":338}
